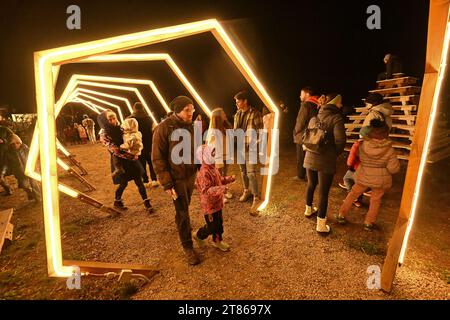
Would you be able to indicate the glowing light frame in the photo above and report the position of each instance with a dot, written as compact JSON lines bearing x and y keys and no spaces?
{"x":426,"y":147}
{"x":46,"y":66}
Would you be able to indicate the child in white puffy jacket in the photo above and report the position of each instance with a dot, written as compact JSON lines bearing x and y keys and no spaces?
{"x":132,"y":138}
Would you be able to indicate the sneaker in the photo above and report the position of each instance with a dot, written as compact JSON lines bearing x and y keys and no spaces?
{"x":368,"y":193}
{"x":191,"y":257}
{"x":154,"y":183}
{"x":225,"y":200}
{"x":369,"y":226}
{"x":245,"y":196}
{"x":221,"y":245}
{"x":118,"y":204}
{"x":200,"y":242}
{"x":228,"y":195}
{"x":148,"y":206}
{"x":341,"y":219}
{"x":342,"y":185}
{"x":254,"y":209}
{"x":357,"y":204}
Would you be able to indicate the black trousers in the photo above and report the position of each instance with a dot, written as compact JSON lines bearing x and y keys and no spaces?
{"x":123,"y":185}
{"x":145,"y":158}
{"x":324,"y":181}
{"x":301,"y":171}
{"x":213,"y":227}
{"x":184,"y":189}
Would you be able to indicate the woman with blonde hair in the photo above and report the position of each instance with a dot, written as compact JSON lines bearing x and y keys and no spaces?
{"x":217,"y":138}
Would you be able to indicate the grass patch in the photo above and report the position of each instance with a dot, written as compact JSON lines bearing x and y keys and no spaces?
{"x":71,"y":229}
{"x":368,"y":247}
{"x":446,"y":276}
{"x":126,"y":290}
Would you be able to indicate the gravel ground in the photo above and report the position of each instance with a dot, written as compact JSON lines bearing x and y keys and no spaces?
{"x":275,"y":256}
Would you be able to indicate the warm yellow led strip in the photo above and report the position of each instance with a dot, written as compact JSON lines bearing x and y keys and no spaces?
{"x":426,"y":146}
{"x":46,"y":65}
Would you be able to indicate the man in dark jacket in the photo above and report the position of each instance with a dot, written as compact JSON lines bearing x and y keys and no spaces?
{"x":177,"y":178}
{"x":308,"y":109}
{"x":393,"y":65}
{"x":145,"y":127}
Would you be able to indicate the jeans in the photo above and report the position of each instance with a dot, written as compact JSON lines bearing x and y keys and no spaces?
{"x":375,"y":202}
{"x":145,"y":159}
{"x":184,"y":189}
{"x":324,"y":181}
{"x":124,"y":183}
{"x":213,"y":227}
{"x":248,"y":173}
{"x":301,"y":171}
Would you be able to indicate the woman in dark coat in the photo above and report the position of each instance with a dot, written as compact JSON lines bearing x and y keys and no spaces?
{"x":111,"y":137}
{"x":321,"y":167}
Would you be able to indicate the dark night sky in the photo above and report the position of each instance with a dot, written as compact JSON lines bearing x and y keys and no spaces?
{"x":290,"y":44}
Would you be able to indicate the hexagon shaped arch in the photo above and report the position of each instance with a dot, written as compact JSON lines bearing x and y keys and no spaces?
{"x":46,"y":65}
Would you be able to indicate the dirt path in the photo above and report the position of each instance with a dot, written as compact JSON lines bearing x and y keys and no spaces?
{"x":275,"y":256}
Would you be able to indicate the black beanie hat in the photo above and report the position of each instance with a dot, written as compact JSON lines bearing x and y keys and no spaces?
{"x":374,"y":98}
{"x":178,"y":104}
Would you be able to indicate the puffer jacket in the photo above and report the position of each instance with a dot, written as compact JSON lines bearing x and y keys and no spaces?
{"x":378,"y":163}
{"x":381,"y":111}
{"x":333,"y":122}
{"x":308,"y":109}
{"x":209,"y":182}
{"x":166,"y":170}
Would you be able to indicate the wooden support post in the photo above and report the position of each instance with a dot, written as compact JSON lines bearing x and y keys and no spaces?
{"x":77,"y":164}
{"x":437,"y":25}
{"x":6,"y":227}
{"x":81,"y":179}
{"x":92,"y":268}
{"x":97,"y":204}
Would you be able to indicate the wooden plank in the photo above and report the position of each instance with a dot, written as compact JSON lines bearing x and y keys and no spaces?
{"x":394,"y":125}
{"x":393,"y":116}
{"x":397,"y":82}
{"x":409,"y":107}
{"x":5,"y":226}
{"x":403,"y":91}
{"x":100,"y":268}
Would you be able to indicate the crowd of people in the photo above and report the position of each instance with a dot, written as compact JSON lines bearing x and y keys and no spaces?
{"x":319,"y":136}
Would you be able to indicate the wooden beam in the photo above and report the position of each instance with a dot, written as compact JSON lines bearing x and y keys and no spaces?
{"x":5,"y":226}
{"x":437,"y":24}
{"x":102,"y":268}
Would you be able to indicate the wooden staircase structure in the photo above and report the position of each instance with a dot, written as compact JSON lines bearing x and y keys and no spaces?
{"x":403,"y":94}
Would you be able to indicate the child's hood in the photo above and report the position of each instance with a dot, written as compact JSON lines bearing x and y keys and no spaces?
{"x":130,"y":125}
{"x":376,"y":147}
{"x":204,"y":154}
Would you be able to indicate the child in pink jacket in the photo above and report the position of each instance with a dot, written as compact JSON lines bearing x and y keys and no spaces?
{"x":211,"y":187}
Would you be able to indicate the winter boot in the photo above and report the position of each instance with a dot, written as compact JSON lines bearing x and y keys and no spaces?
{"x":245,"y":195}
{"x":254,"y":209}
{"x":148,"y":206}
{"x":221,"y":245}
{"x":310,"y":211}
{"x":118,"y":204}
{"x":201,"y":242}
{"x":191,"y":257}
{"x":322,"y":226}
